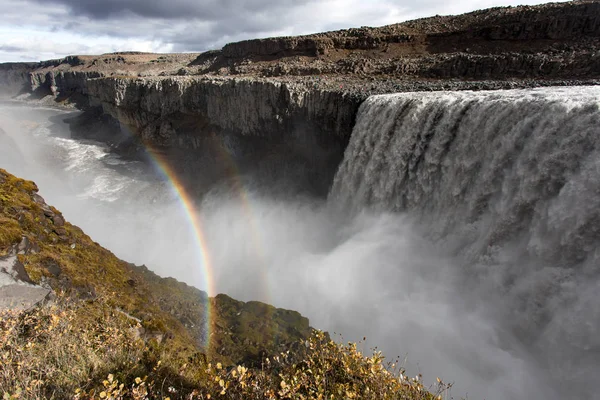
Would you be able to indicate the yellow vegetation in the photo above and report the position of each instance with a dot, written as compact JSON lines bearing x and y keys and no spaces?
{"x":56,"y":352}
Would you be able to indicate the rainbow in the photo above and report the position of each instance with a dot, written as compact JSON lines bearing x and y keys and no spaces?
{"x":234,"y":174}
{"x":196,"y":225}
{"x":207,"y":266}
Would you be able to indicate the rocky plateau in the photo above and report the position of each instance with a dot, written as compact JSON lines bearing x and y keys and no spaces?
{"x":281,"y":106}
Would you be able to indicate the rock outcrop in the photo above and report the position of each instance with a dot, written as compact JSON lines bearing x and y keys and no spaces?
{"x":245,"y":105}
{"x":14,"y":78}
{"x":17,"y":290}
{"x":259,"y":124}
{"x":556,"y":22}
{"x":62,"y":84}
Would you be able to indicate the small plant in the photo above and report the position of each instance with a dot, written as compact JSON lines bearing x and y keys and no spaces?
{"x":50,"y":351}
{"x":55,"y":352}
{"x":319,"y":369}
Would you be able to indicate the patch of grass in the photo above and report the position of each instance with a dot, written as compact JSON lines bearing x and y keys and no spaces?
{"x":53,"y":351}
{"x":319,"y":369}
{"x":10,"y":233}
{"x":325,"y":370}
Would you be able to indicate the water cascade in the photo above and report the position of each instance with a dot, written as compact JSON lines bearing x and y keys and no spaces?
{"x":507,"y":183}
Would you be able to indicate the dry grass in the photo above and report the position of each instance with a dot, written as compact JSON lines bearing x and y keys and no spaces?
{"x":51,"y":351}
{"x":10,"y":232}
{"x":54,"y":352}
{"x":70,"y":347}
{"x":319,"y":369}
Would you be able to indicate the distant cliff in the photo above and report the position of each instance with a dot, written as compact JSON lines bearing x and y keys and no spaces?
{"x":14,"y":78}
{"x":482,"y":30}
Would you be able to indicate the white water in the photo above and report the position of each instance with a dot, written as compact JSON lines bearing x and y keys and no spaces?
{"x":467,"y":241}
{"x":507,"y":183}
{"x":126,"y":206}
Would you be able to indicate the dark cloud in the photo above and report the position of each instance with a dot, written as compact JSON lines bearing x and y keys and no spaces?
{"x":11,"y":49}
{"x":173,"y":9}
{"x":188,"y":25}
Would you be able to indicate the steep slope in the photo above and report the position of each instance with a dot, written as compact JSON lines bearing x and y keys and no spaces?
{"x":114,"y":330}
{"x":60,"y":256}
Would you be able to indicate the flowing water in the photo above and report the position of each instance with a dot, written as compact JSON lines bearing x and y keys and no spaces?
{"x":461,"y":233}
{"x":508,"y":183}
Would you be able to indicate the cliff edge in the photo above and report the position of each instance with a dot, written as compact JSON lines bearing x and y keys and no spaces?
{"x":281,"y":107}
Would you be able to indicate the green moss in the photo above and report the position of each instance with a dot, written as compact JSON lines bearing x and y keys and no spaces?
{"x":10,"y":233}
{"x":87,"y":270}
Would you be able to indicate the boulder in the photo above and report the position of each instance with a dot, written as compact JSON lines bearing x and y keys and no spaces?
{"x":17,"y":290}
{"x":12,"y":271}
{"x":20,"y":297}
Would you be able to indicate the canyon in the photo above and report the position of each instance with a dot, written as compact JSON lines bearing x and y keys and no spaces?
{"x":282,"y":106}
{"x":430,"y":184}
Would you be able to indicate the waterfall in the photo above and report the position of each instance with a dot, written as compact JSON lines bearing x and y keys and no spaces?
{"x":508,"y":183}
{"x":506,"y":166}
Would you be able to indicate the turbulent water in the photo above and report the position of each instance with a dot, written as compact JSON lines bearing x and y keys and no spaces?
{"x":507,"y":183}
{"x":460,"y":234}
{"x":127,"y":206}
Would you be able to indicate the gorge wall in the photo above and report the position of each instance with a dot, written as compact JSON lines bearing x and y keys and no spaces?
{"x":14,"y":78}
{"x":548,"y":22}
{"x":273,"y":127}
{"x":52,"y":77}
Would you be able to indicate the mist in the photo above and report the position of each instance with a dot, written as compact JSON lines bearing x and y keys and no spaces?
{"x":127,"y":206}
{"x":374,"y":275}
{"x":360,"y":273}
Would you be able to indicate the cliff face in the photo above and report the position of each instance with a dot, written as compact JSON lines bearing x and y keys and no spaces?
{"x":14,"y":78}
{"x":243,"y":106}
{"x":546,"y":42}
{"x":62,"y":84}
{"x":561,"y":21}
{"x":43,"y":79}
{"x":269,"y":128}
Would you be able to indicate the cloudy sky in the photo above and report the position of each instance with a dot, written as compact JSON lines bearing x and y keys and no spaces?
{"x":45,"y":29}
